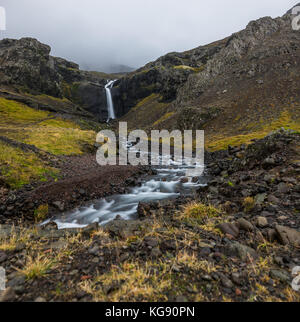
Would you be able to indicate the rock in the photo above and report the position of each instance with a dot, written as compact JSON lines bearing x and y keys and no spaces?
{"x":94,"y":250}
{"x":226,"y":282}
{"x":273,"y":199}
{"x":271,"y":235}
{"x":262,"y":222}
{"x":181,"y":299}
{"x":125,"y":229}
{"x":143,"y":209}
{"x":231,"y":229}
{"x":283,"y":188}
{"x":236,"y":278}
{"x":268,"y":163}
{"x":3,"y":257}
{"x":40,"y":300}
{"x":152,"y":242}
{"x":17,"y":281}
{"x":155,"y":252}
{"x":59,"y":205}
{"x":50,"y":226}
{"x":184,"y":180}
{"x":288,"y":235}
{"x":245,"y":224}
{"x":206,"y":278}
{"x":8,"y":295}
{"x":89,"y":230}
{"x":280,"y":275}
{"x":239,"y":250}
{"x":260,"y":198}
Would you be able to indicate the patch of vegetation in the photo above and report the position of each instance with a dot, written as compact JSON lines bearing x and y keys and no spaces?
{"x":18,"y":168}
{"x":43,"y":130}
{"x":131,"y":281}
{"x":194,"y":69}
{"x":164,"y":118}
{"x":198,"y":213}
{"x":41,"y":213}
{"x":255,"y":131}
{"x":37,"y":267}
{"x":248,"y":204}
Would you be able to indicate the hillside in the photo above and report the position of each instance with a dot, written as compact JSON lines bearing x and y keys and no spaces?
{"x":236,"y":89}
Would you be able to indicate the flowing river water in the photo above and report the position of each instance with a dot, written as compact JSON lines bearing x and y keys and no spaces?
{"x":170,"y":181}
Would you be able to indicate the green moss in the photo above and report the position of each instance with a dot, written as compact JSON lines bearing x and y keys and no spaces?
{"x":164,"y":118}
{"x":18,"y":168}
{"x":39,"y":128}
{"x":285,"y":120}
{"x":194,"y":69}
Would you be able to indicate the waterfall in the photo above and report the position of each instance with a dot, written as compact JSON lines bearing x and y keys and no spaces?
{"x":110,"y":104}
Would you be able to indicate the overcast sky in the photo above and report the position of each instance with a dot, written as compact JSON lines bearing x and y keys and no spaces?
{"x":98,"y":33}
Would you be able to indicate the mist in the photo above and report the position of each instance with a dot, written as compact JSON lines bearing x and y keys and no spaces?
{"x":99,"y":35}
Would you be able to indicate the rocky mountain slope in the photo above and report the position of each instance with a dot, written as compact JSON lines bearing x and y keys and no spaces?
{"x":236,"y":89}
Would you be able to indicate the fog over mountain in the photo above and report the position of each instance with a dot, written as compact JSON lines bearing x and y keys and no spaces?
{"x":102,"y":35}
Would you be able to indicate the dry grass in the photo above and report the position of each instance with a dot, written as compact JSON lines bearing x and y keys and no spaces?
{"x":248,"y":204}
{"x":37,"y":267}
{"x":131,"y":281}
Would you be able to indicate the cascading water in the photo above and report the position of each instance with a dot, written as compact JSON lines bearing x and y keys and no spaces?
{"x":166,"y":184}
{"x":110,"y":103}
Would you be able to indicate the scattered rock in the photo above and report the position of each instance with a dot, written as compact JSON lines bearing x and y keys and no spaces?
{"x":231,"y":229}
{"x":288,"y":235}
{"x":242,"y":251}
{"x":262,"y":222}
{"x":8,"y":295}
{"x":245,"y":224}
{"x":280,"y":275}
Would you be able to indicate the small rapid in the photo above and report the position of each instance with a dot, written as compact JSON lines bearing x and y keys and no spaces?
{"x":169,"y":182}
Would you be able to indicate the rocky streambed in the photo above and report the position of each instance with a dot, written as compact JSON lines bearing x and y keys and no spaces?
{"x":236,"y":239}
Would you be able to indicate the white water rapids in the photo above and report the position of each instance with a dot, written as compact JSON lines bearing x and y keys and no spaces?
{"x":166,"y":184}
{"x":110,"y":103}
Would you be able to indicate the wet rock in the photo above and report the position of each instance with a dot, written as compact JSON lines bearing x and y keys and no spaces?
{"x":288,"y":235}
{"x":184,"y":180}
{"x":262,"y":222}
{"x":245,"y":224}
{"x":231,"y":229}
{"x":239,"y":250}
{"x":50,"y":226}
{"x":89,"y":230}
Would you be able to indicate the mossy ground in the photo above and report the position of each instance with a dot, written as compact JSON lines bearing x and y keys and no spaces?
{"x":18,"y":168}
{"x":252,"y":130}
{"x":41,"y":129}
